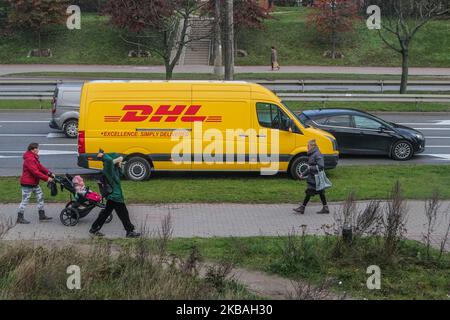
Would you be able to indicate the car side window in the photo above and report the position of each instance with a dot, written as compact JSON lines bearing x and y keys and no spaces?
{"x":366,"y":123}
{"x":264,"y":111}
{"x":338,"y":121}
{"x":271,"y":116}
{"x":321,"y":120}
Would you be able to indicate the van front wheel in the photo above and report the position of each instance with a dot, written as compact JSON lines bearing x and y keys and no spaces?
{"x":298,"y":166}
{"x":137,"y":169}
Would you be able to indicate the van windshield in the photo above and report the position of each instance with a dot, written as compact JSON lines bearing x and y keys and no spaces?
{"x":296,"y":116}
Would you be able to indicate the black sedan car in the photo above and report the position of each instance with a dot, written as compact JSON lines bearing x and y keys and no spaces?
{"x":358,"y":132}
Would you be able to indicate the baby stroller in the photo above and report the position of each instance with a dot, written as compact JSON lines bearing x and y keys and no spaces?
{"x":79,"y":205}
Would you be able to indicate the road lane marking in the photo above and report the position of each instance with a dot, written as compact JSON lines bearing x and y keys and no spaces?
{"x":21,"y":135}
{"x":441,"y":129}
{"x":444,"y":156}
{"x":438,"y":122}
{"x":57,"y":144}
{"x":44,"y":152}
{"x":56,"y":135}
{"x":24,"y":121}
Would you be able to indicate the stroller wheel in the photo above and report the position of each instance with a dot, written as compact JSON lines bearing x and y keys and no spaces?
{"x":69,"y":217}
{"x":109,"y":219}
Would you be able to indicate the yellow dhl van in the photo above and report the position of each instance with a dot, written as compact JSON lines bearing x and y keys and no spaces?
{"x":194,"y":125}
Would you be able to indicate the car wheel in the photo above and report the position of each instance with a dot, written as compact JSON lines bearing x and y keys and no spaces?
{"x":71,"y":128}
{"x":402,"y":150}
{"x":298,"y":166}
{"x":137,"y":169}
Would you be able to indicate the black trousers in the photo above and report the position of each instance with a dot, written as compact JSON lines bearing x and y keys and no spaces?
{"x":309,"y":194}
{"x":122,"y":213}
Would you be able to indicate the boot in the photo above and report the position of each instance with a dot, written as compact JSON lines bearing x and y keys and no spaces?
{"x":300,"y":210}
{"x":21,"y":219}
{"x":133,"y":234}
{"x":43,"y":217}
{"x":324,"y":210}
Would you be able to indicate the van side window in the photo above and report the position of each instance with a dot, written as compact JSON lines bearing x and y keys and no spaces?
{"x":271,"y":116}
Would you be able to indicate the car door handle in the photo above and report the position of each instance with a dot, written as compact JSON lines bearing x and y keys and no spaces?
{"x":243,"y":136}
{"x":261,"y":135}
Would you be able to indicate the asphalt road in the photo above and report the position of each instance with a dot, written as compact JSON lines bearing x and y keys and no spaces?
{"x":18,"y":129}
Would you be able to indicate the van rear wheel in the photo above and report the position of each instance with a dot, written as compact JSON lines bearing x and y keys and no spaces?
{"x":298,"y":166}
{"x":137,"y":169}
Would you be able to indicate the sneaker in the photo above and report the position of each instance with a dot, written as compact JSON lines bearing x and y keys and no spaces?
{"x":133,"y":234}
{"x":96,"y":234}
{"x":324,"y":210}
{"x":300,"y":210}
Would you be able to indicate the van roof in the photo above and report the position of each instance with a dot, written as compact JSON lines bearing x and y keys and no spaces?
{"x":258,"y":91}
{"x":169,"y":81}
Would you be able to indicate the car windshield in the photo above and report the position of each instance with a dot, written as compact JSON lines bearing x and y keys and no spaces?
{"x":299,"y":117}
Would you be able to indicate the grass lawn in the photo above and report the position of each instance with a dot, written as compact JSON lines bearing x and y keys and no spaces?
{"x":369,"y":182}
{"x":294,"y":105}
{"x":298,"y":44}
{"x":98,"y":43}
{"x":25,"y":104}
{"x":29,"y":272}
{"x":408,"y":275}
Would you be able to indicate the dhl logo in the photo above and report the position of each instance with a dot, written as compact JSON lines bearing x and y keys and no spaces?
{"x":164,"y":113}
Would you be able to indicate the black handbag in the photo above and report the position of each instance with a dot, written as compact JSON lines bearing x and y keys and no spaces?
{"x":53,"y":188}
{"x":104,"y":186}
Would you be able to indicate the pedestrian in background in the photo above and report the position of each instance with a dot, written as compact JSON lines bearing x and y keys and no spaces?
{"x":32,"y":172}
{"x":315,"y":164}
{"x":115,"y":200}
{"x":274,"y":59}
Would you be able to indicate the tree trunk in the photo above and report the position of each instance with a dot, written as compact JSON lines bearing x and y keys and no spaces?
{"x":405,"y":71}
{"x":229,"y":41}
{"x":169,"y":69}
{"x":39,"y":43}
{"x":218,"y":70}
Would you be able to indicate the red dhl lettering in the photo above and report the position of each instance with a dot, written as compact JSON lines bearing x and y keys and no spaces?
{"x":164,"y":113}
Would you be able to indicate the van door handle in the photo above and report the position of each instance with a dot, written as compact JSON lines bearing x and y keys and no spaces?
{"x":243,"y":136}
{"x":261,"y":135}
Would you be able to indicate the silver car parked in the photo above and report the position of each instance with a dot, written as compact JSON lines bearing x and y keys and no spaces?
{"x":65,"y":108}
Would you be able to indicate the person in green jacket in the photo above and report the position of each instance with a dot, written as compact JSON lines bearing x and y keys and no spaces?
{"x":115,"y":200}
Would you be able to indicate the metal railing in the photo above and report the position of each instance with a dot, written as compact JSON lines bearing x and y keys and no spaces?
{"x":44,"y":89}
{"x":417,"y":98}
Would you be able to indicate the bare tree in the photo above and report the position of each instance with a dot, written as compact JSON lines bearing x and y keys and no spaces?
{"x":394,"y":220}
{"x":401,"y":21}
{"x":229,"y":41}
{"x":432,"y":206}
{"x":160,"y":26}
{"x":444,"y":240}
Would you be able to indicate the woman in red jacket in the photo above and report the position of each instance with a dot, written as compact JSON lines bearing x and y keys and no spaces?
{"x":33,"y":172}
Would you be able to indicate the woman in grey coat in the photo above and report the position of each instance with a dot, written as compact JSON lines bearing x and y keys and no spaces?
{"x":315,"y":161}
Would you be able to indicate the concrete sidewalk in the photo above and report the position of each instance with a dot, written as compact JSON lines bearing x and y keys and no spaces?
{"x":25,"y":68}
{"x":206,"y":220}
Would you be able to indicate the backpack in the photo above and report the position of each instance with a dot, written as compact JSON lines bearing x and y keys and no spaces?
{"x":104,"y":186}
